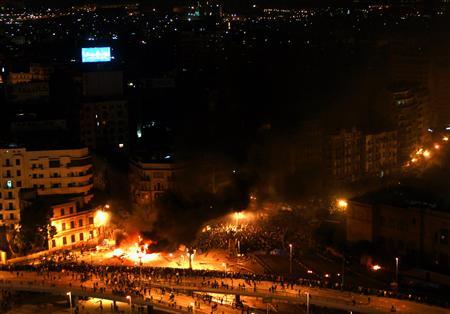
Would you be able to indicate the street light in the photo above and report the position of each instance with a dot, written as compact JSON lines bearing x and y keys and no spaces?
{"x":290,"y":258}
{"x":129,"y":300}
{"x":342,"y":204}
{"x":101,"y":217}
{"x":70,"y":301}
{"x":396,"y":271}
{"x":238,"y":215}
{"x":307,"y":302}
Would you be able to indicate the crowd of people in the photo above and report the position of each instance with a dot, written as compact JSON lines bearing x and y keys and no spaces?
{"x":257,"y":234}
{"x":139,"y":282}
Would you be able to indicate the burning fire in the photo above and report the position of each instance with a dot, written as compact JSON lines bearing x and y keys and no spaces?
{"x":137,"y":251}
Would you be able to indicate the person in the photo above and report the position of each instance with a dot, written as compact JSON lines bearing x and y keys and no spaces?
{"x":393,"y":308}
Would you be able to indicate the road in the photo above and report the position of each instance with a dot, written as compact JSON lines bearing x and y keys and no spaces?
{"x":321,"y":297}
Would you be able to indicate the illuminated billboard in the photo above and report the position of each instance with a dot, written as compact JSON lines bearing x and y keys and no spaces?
{"x":96,"y":54}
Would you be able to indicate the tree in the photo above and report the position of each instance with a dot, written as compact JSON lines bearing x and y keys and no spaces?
{"x":34,"y":229}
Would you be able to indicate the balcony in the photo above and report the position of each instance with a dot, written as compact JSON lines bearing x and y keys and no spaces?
{"x":87,"y":161}
{"x":78,"y":189}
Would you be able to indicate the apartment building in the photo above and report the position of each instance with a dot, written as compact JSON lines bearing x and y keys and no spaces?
{"x":380,"y":153}
{"x":49,"y":172}
{"x":150,"y":178}
{"x":73,"y":225}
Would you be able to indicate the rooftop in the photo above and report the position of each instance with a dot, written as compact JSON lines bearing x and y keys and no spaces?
{"x":405,"y":197}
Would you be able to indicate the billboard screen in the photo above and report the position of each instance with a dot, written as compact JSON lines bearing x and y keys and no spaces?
{"x":96,"y":54}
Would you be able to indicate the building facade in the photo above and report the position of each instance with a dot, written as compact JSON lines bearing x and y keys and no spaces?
{"x":149,"y":179}
{"x":416,"y":229}
{"x":49,"y":172}
{"x":72,"y":226}
{"x":380,"y":153}
{"x":104,"y":125}
{"x":345,"y":155}
{"x":412,"y":110}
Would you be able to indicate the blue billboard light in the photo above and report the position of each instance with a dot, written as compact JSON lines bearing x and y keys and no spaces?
{"x":96,"y":54}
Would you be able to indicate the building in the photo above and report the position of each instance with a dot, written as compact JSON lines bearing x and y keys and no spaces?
{"x":150,"y":178}
{"x":19,"y":77}
{"x":345,"y":155}
{"x":49,"y":172}
{"x":104,"y":125}
{"x":412,"y":110}
{"x":74,"y":225}
{"x":30,"y":91}
{"x":41,"y":72}
{"x":38,"y":72}
{"x":406,"y":222}
{"x":380,"y":153}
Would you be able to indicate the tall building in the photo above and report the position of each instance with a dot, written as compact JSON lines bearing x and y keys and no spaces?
{"x":345,"y":155}
{"x":49,"y":172}
{"x":412,"y":112}
{"x":104,"y":122}
{"x":151,"y":177}
{"x":414,"y":63}
{"x":404,"y":221}
{"x":380,"y":153}
{"x":104,"y":125}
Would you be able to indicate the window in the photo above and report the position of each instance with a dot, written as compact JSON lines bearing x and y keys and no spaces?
{"x":64,"y":241}
{"x":71,"y":210}
{"x":72,"y":224}
{"x":17,"y":162}
{"x":10,"y":195}
{"x":19,"y":184}
{"x":91,"y":234}
{"x":1,"y":216}
{"x":72,"y":238}
{"x":1,"y":206}
{"x":7,"y":162}
{"x":54,"y":163}
{"x":53,"y":243}
{"x":62,"y":211}
{"x":8,"y":173}
{"x":81,"y":237}
{"x":80,"y":223}
{"x":11,"y":216}
{"x":63,"y":226}
{"x":91,"y":220}
{"x":10,"y":206}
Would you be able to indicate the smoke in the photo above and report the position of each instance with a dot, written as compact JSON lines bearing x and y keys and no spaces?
{"x":178,"y":215}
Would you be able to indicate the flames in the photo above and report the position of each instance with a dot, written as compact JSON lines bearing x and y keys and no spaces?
{"x":135,"y":249}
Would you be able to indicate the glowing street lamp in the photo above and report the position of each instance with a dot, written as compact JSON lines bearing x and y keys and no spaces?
{"x":290,"y":258}
{"x":427,"y":154}
{"x":101,"y":218}
{"x":238,"y":215}
{"x":396,"y":270}
{"x":342,"y":204}
{"x":129,"y":301}
{"x":70,"y":301}
{"x":307,"y":302}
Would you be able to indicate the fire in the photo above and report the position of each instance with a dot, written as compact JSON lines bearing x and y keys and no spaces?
{"x":137,"y":251}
